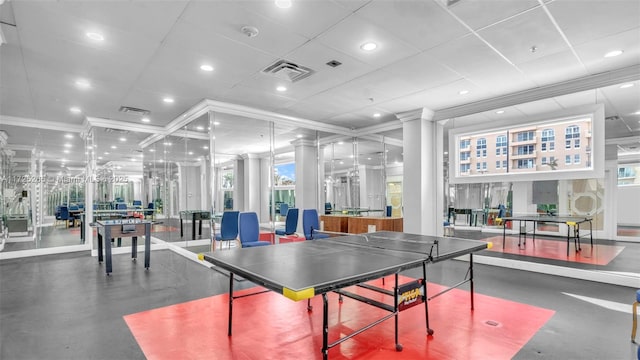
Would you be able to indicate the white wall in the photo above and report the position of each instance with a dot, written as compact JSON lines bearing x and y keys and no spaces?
{"x":628,"y":207}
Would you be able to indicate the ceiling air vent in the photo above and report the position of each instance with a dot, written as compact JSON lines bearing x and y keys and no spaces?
{"x":132,"y":110}
{"x":288,"y":71}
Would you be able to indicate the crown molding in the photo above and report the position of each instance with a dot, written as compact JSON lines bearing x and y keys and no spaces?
{"x":40,"y":124}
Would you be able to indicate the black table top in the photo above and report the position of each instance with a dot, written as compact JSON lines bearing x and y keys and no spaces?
{"x":301,"y":269}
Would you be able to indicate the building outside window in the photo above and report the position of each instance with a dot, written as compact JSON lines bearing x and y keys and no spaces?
{"x":548,"y":140}
{"x":526,"y":164}
{"x":567,"y":160}
{"x":501,"y":145}
{"x":481,"y":147}
{"x":572,"y":135}
{"x":576,"y":159}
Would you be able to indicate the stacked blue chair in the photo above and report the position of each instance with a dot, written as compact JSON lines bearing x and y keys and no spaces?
{"x":635,"y":320}
{"x":249,"y":230}
{"x":291,"y":224}
{"x":311,"y":225}
{"x":64,"y":215}
{"x":228,"y":227}
{"x":284,"y":208}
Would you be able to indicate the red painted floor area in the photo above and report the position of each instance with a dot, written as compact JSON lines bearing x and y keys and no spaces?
{"x":270,"y":326}
{"x":557,"y":249}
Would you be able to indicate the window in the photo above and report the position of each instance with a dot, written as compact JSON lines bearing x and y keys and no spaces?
{"x":501,"y":145}
{"x":498,"y":164}
{"x":481,"y":147}
{"x":484,"y":166}
{"x":525,"y":136}
{"x":576,"y":159}
{"x":548,"y":140}
{"x":465,"y":144}
{"x":504,"y":164}
{"x":526,"y":150}
{"x":567,"y":160}
{"x":464,"y":168}
{"x":544,"y":160}
{"x":526,"y":164}
{"x":465,"y":156}
{"x":572,"y":133}
{"x":478,"y":166}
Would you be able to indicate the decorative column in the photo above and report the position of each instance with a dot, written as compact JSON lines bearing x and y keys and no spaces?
{"x":251,"y":184}
{"x":423,"y":177}
{"x":307,"y":177}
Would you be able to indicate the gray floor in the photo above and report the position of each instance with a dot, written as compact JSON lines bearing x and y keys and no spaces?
{"x":64,"y":307}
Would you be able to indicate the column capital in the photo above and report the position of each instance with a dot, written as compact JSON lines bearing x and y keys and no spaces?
{"x":417,"y":114}
{"x":303,"y":142}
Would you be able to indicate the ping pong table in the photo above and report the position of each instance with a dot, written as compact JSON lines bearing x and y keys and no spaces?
{"x":302,"y":270}
{"x":572,"y":222}
{"x":194,"y":215}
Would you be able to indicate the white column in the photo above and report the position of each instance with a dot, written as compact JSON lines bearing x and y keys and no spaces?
{"x":251,"y":183}
{"x":306,"y":157}
{"x":423,"y":173}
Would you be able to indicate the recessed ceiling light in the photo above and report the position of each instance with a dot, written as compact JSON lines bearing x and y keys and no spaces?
{"x":106,"y":153}
{"x":340,"y":142}
{"x":613,"y":53}
{"x":216,"y":123}
{"x":636,"y":113}
{"x":283,"y":4}
{"x":376,"y":115}
{"x":99,"y":157}
{"x":68,"y":136}
{"x":133,"y":159}
{"x":65,"y":151}
{"x":500,"y":112}
{"x":67,"y":145}
{"x":624,"y":86}
{"x":341,"y":162}
{"x":95,"y":36}
{"x":205,"y":147}
{"x":123,"y":139}
{"x":152,"y":150}
{"x":281,"y":88}
{"x":168,"y":100}
{"x":369,"y":46}
{"x":299,"y":136}
{"x":145,"y":119}
{"x":206,"y":67}
{"x":190,"y":152}
{"x":200,"y":128}
{"x":368,"y":158}
{"x":75,"y":110}
{"x":83,"y":84}
{"x":166,"y":144}
{"x":463,"y":92}
{"x":114,"y":147}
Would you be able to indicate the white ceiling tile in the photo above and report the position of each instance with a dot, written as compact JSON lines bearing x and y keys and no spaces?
{"x":554,"y":68}
{"x":423,"y":71}
{"x":515,"y":37}
{"x":592,"y":53}
{"x":480,"y":13}
{"x":503,"y":82}
{"x":468,"y":55}
{"x":423,"y":24}
{"x":587,"y":20}
{"x":350,"y":34}
{"x":227,"y":19}
{"x":537,"y":107}
{"x":306,"y":18}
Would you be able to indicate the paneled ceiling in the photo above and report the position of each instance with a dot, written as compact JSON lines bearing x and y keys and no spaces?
{"x":464,"y":62}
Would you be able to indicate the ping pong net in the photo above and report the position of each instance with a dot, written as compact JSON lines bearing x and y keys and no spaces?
{"x":391,"y":242}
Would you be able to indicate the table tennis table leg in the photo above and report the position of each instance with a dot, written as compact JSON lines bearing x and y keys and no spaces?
{"x":100,"y":258}
{"x":426,"y":299}
{"x":325,"y":327}
{"x":471,"y":277}
{"x":107,"y":249}
{"x":181,"y":229}
{"x":147,"y":246}
{"x":193,"y":226}
{"x":568,"y":238}
{"x":134,"y":247}
{"x":395,"y":307}
{"x":200,"y":227}
{"x":231,"y":304}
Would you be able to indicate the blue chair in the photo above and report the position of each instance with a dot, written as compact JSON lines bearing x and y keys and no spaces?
{"x":327,"y":208}
{"x":389,"y":209}
{"x":228,"y":227}
{"x":64,"y":215}
{"x":249,"y":230}
{"x":137,"y":203}
{"x":284,"y":208}
{"x":310,"y":223}
{"x":291,"y":224}
{"x":150,"y":210}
